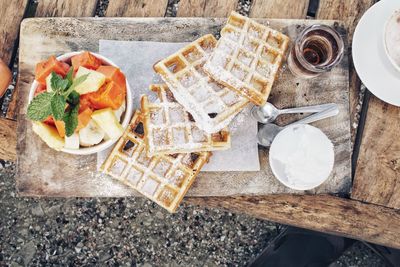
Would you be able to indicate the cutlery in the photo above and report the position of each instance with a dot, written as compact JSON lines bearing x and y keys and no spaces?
{"x":268,"y":131}
{"x":268,"y":112}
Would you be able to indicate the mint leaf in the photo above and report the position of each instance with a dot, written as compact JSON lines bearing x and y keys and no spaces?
{"x":55,"y":80}
{"x":58,"y":83}
{"x":63,"y":85}
{"x":76,"y":82}
{"x":39,"y":108}
{"x":69,"y":76}
{"x":71,"y":120}
{"x":73,"y":98}
{"x":58,"y":106}
{"x":46,"y":104}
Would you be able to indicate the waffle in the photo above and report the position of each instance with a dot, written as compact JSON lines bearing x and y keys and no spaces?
{"x":212,"y":106}
{"x":164,"y":179}
{"x":247,"y":57}
{"x":170,"y":129}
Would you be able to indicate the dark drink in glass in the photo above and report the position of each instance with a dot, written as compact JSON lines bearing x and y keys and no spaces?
{"x":317,"y":49}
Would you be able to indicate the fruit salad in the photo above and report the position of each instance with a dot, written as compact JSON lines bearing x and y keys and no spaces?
{"x":78,"y":103}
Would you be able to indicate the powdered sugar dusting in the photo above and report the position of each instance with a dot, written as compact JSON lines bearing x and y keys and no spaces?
{"x":179,"y":136}
{"x":150,"y":186}
{"x":118,"y":167}
{"x":191,"y":87}
{"x":176,"y":178}
{"x":175,"y":134}
{"x":242,"y":53}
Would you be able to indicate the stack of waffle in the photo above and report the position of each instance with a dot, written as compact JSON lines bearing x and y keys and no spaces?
{"x":207,"y":83}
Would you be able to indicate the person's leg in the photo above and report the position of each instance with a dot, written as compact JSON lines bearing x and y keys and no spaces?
{"x":299,"y":247}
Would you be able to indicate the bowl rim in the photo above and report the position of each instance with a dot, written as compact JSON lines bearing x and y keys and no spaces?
{"x":103,"y":145}
{"x":277,"y":174}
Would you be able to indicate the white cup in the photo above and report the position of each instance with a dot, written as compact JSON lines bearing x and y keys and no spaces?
{"x":391,"y":39}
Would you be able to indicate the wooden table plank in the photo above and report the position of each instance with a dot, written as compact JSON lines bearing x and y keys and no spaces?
{"x":350,"y":12}
{"x":322,"y":213}
{"x":85,"y":34}
{"x":377,"y":177}
{"x":12,"y":106}
{"x":8,"y":139}
{"x":11,"y":13}
{"x":279,"y":9}
{"x":137,"y":8}
{"x":206,"y":8}
{"x":66,"y":8}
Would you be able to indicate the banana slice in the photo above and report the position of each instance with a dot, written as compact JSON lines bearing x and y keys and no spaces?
{"x":107,"y":121}
{"x":118,"y":112}
{"x":91,"y":135}
{"x":72,"y":142}
{"x":48,"y":134}
{"x":92,"y":83}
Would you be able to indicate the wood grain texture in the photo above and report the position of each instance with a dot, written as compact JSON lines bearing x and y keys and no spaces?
{"x":8,"y":139}
{"x":350,"y":12}
{"x":13,"y":105}
{"x":60,"y":35}
{"x":279,"y":9}
{"x":66,"y":8}
{"x":11,"y":14}
{"x":322,"y":213}
{"x":137,"y":8}
{"x":377,"y":177}
{"x":206,"y":8}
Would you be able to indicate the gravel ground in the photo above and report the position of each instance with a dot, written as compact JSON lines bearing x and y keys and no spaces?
{"x":122,"y":232}
{"x":130,"y":232}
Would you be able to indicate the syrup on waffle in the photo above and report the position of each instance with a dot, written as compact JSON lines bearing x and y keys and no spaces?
{"x":212,"y":106}
{"x":247,"y":57}
{"x":164,"y":179}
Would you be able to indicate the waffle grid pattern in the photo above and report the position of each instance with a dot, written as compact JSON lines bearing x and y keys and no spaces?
{"x":164,"y":179}
{"x":247,"y":57}
{"x":212,"y":106}
{"x":169,"y":129}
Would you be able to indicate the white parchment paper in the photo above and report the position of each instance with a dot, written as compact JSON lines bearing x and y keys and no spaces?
{"x":136,"y":60}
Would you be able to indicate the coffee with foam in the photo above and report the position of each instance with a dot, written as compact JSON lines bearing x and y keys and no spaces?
{"x":392,"y":39}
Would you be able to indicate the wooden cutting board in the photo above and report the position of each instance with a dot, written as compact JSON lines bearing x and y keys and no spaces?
{"x":42,"y":171}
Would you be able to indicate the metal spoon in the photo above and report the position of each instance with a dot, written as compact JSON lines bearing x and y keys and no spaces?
{"x":268,"y":131}
{"x":268,"y":112}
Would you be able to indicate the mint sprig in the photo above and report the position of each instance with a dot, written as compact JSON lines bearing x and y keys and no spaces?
{"x":70,"y":119}
{"x":58,"y":103}
{"x":54,"y":103}
{"x":40,"y":107}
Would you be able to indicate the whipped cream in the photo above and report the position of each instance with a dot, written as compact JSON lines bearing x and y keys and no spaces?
{"x":301,"y":156}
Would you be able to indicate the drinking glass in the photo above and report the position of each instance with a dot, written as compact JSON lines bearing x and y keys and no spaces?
{"x":316,"y":50}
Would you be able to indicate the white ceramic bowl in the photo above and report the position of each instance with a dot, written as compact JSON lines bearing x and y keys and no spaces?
{"x":126,"y":117}
{"x":301,"y":157}
{"x":391,"y":39}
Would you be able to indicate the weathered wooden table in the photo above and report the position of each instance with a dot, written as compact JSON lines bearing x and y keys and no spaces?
{"x":370,"y":212}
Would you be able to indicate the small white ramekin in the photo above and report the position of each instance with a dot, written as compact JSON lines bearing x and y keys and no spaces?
{"x":126,"y":117}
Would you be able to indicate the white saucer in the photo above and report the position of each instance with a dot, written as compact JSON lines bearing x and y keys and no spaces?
{"x":370,"y":60}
